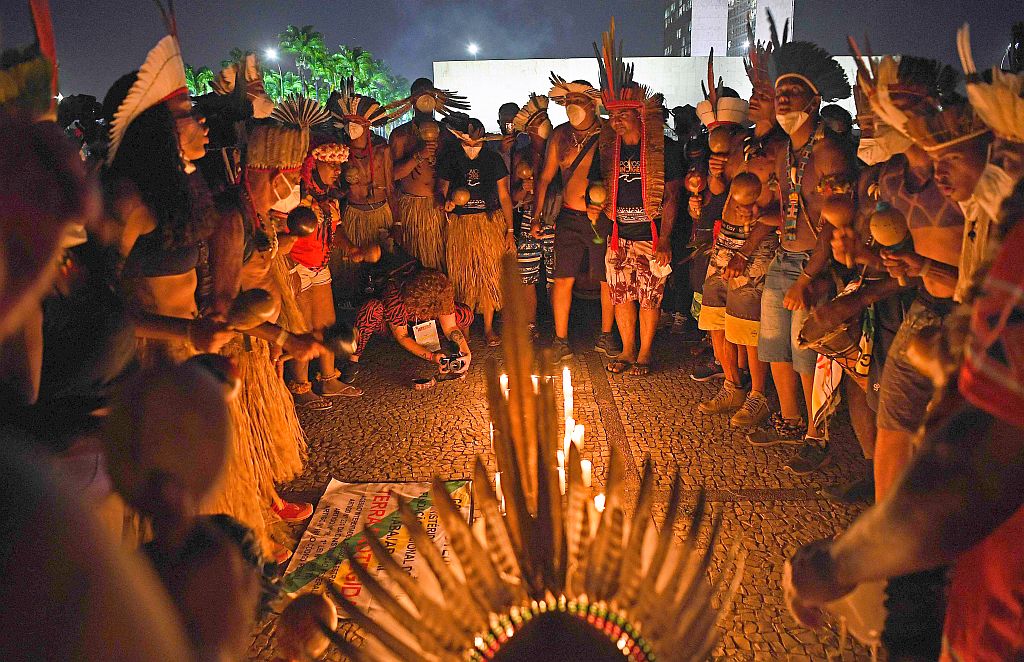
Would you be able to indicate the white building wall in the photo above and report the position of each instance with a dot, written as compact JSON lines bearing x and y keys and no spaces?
{"x":709,"y":27}
{"x":782,"y":11}
{"x":490,"y":83}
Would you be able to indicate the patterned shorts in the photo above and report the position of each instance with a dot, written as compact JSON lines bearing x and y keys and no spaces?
{"x":535,"y":255}
{"x":630,"y":277}
{"x":312,"y":277}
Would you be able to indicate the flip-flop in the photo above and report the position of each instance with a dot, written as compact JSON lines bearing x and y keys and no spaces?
{"x":494,"y":340}
{"x":618,"y":366}
{"x":315,"y":404}
{"x":640,"y":369}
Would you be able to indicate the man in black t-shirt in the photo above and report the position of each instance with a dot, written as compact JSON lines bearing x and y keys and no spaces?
{"x":628,"y":163}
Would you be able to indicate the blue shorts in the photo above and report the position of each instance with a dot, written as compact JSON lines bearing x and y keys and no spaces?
{"x":777,"y":342}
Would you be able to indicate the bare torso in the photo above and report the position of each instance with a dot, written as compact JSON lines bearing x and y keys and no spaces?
{"x":568,"y":142}
{"x":404,"y":142}
{"x":355,"y":177}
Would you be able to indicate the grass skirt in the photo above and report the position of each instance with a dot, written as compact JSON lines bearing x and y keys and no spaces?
{"x":423,"y":228}
{"x":475,"y":245}
{"x":291,"y":317}
{"x":366,"y":228}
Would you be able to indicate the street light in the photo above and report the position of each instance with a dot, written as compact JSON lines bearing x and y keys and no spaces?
{"x":270,"y":54}
{"x":473,"y":49}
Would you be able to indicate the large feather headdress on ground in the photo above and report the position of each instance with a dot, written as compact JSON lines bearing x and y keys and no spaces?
{"x":717,"y":109}
{"x":282,"y":142}
{"x":161,"y":77}
{"x":445,"y":102}
{"x":348,"y":106}
{"x":620,"y":92}
{"x":551,"y":577}
{"x":809,"y":63}
{"x":28,"y":76}
{"x":564,"y":92}
{"x":534,"y":111}
{"x":1000,"y":103}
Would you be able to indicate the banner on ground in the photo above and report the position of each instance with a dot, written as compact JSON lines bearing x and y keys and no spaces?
{"x":345,"y":512}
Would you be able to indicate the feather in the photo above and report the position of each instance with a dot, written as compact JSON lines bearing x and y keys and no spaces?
{"x":346,"y":648}
{"x":812,"y":64}
{"x":43,"y":22}
{"x":371,"y":627}
{"x":577,"y":502}
{"x":301,"y":112}
{"x":499,"y":544}
{"x":712,"y":93}
{"x":632,"y":557}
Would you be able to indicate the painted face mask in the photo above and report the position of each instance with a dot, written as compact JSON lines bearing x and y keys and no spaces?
{"x":355,"y":129}
{"x":578,"y":115}
{"x":994,"y":186}
{"x":472,"y":152}
{"x":288,"y":195}
{"x":425,"y":103}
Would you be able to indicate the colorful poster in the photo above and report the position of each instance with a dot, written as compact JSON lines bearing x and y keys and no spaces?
{"x":347,"y":510}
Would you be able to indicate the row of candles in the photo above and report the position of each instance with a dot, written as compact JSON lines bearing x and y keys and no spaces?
{"x":574,"y":434}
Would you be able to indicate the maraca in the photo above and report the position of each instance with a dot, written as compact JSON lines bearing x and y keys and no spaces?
{"x":695,"y":182}
{"x":340,"y":339}
{"x":839,"y":211}
{"x":299,"y":636}
{"x":597,"y":194}
{"x":250,"y":309}
{"x":371,"y":254}
{"x":720,"y":140}
{"x":224,"y":371}
{"x":429,"y":131}
{"x":745,"y":189}
{"x":302,"y":222}
{"x":460,"y":196}
{"x":524,"y":170}
{"x":352,"y":176}
{"x":888,"y":228}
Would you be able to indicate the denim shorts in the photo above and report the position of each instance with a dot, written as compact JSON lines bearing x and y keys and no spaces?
{"x":780,"y":328}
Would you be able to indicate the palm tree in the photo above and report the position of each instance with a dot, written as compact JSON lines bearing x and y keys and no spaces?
{"x":198,"y":80}
{"x":306,"y":44}
{"x":282,"y":86}
{"x":234,"y":56}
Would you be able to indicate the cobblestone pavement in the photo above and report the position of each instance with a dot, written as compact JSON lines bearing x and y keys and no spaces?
{"x":394,"y":433}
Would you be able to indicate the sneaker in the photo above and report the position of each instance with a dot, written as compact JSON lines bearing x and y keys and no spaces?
{"x":812,"y":456}
{"x":852,"y":492}
{"x":728,"y":399}
{"x":293,"y":512}
{"x":281,"y":554}
{"x":608,"y":345}
{"x":707,"y":371}
{"x":560,"y":350}
{"x":779,"y":431}
{"x":753,"y":412}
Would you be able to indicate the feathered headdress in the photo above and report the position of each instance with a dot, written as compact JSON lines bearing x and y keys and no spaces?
{"x":542,"y":573}
{"x":716,"y":109}
{"x":535,"y":110}
{"x":161,"y":77}
{"x":246,"y":79}
{"x":563,"y":93}
{"x":283,"y":142}
{"x":756,"y":62}
{"x":28,"y":76}
{"x":473,"y":135}
{"x":619,"y":91}
{"x":999,"y":104}
{"x":445,"y":102}
{"x":347,"y":106}
{"x":809,"y":63}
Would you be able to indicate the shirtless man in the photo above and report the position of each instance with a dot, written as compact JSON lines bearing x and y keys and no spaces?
{"x":420,"y":215}
{"x":570,"y":151}
{"x":810,"y":169}
{"x":367,"y":179}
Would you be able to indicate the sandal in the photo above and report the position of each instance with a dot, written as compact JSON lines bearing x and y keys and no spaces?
{"x":349,"y":372}
{"x":618,"y":366}
{"x":640,"y":369}
{"x":305,"y":399}
{"x":493,"y":339}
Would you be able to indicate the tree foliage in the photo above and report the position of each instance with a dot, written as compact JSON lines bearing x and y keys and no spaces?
{"x":198,"y":80}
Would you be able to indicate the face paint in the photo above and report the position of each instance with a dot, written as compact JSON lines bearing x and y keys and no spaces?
{"x":286,"y":194}
{"x":425,"y":103}
{"x":472,"y":152}
{"x":355,"y":129}
{"x":994,"y":186}
{"x":578,"y":115}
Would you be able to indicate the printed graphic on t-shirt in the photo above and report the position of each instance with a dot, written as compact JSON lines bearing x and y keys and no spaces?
{"x":473,"y":182}
{"x":630,"y":208}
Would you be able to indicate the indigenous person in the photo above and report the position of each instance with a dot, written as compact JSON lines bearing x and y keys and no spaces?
{"x":475,"y":184}
{"x":642,"y":182}
{"x":506,"y":116}
{"x":812,"y":166}
{"x":416,"y":303}
{"x":971,"y":461}
{"x":414,"y":148}
{"x":579,"y":245}
{"x":536,"y":256}
{"x":731,"y":301}
{"x":367,"y":177}
{"x":311,"y":255}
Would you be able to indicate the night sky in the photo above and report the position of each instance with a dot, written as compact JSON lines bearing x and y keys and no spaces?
{"x":98,"y":40}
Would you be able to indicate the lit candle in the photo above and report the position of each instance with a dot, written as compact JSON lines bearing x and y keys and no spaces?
{"x":497,"y":490}
{"x":561,"y":480}
{"x":567,"y":393}
{"x":577,"y":437}
{"x":492,"y":436}
{"x":560,"y":454}
{"x":588,"y":472}
{"x":503,"y":381}
{"x":536,"y":383}
{"x":570,"y":427}
{"x":599,"y":502}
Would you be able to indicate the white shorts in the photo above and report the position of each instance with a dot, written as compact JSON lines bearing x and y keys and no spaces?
{"x":311,"y":277}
